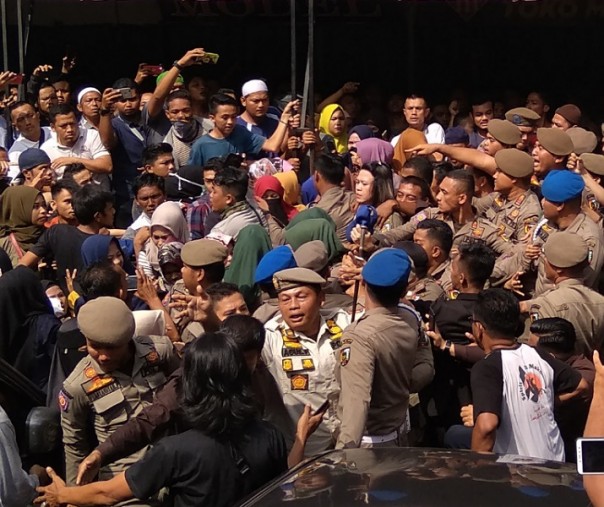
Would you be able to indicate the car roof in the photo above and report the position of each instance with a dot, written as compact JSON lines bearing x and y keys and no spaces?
{"x":424,"y":477}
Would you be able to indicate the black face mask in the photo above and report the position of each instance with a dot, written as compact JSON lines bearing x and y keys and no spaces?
{"x":276,"y":210}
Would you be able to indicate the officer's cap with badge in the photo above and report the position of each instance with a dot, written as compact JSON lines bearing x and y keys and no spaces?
{"x":297,"y":277}
{"x":107,"y":321}
{"x":387,"y":268}
{"x":505,"y":132}
{"x":562,"y":186}
{"x":566,"y":250}
{"x":593,"y":163}
{"x":277,"y":259}
{"x":556,"y":141}
{"x":514,"y":163}
{"x":522,"y":117}
{"x":203,"y":252}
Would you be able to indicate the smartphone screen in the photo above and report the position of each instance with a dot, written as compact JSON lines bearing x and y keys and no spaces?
{"x":131,"y":282}
{"x":590,"y":456}
{"x":17,"y":80}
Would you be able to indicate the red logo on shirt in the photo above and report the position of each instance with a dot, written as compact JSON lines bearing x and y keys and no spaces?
{"x":531,"y":382}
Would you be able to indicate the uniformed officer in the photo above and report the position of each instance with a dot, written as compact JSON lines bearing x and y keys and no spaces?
{"x":566,"y":256}
{"x":514,"y":208}
{"x":562,"y":191}
{"x":112,"y":383}
{"x":376,"y":358}
{"x":455,"y":209}
{"x":551,"y":151}
{"x":299,"y":353}
{"x":593,"y":166}
{"x":527,"y":121}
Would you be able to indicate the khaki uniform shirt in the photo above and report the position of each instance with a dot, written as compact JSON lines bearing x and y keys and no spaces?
{"x":426,"y":289}
{"x":479,"y":228}
{"x":374,"y":371}
{"x":337,"y":202}
{"x":303,"y":369}
{"x":515,"y":261}
{"x":108,"y":400}
{"x":580,"y":305}
{"x":512,"y":218}
{"x":442,"y":275}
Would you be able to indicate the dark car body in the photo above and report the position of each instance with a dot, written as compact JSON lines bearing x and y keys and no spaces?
{"x":424,"y":477}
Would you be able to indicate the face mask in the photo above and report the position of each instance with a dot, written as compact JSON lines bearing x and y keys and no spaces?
{"x":276,"y":210}
{"x":184,"y":129}
{"x":56,"y":306}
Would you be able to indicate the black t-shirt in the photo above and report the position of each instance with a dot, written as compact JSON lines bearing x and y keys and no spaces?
{"x":200,"y":470}
{"x":62,"y":243}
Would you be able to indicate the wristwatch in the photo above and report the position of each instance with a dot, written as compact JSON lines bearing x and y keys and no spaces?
{"x":177,"y":65}
{"x":105,"y":112}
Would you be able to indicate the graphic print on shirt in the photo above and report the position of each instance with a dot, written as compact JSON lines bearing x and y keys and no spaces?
{"x":531,"y":382}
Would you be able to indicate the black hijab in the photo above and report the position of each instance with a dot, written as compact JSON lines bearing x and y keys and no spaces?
{"x":21,"y":299}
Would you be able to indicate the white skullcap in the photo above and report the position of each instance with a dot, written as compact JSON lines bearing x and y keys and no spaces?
{"x":85,"y":91}
{"x":253,"y":86}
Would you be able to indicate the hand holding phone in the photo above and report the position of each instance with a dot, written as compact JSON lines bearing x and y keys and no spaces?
{"x":322,"y":408}
{"x":153,"y":70}
{"x":16,"y":80}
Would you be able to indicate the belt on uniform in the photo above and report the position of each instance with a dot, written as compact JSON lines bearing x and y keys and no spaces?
{"x":379,"y":439}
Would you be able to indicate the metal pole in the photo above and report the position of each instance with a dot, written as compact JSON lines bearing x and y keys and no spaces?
{"x":292,"y":19}
{"x":4,"y":35}
{"x":21,"y":49}
{"x":310,"y":74}
{"x":30,"y":13}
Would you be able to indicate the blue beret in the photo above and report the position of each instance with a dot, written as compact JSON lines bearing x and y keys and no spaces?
{"x":278,"y":259}
{"x":365,"y":216}
{"x":387,"y":268}
{"x":456,"y":135}
{"x":561,"y":186}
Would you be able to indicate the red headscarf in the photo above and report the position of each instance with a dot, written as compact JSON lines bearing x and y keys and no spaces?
{"x":266,"y":183}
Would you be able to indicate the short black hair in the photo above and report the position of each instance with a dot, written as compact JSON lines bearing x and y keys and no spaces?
{"x":219,"y":291}
{"x":225,"y":91}
{"x":60,"y":109}
{"x":480,"y":99}
{"x":418,"y":182}
{"x":19,"y":103}
{"x":177,"y":94}
{"x":45,"y":84}
{"x":555,"y":334}
{"x":442,"y":169}
{"x":234,"y":181}
{"x":152,"y":152}
{"x":71,"y":169}
{"x":330,"y":167}
{"x":422,"y":167}
{"x":417,"y":254}
{"x":464,"y":181}
{"x":60,"y":78}
{"x":438,"y":231}
{"x":478,"y":261}
{"x":148,"y":180}
{"x":61,"y":185}
{"x":124,"y":82}
{"x":214,"y":272}
{"x":221,"y":99}
{"x":479,"y":173}
{"x":387,"y":296}
{"x":499,"y":312}
{"x":88,"y":201}
{"x":246,"y":331}
{"x":100,"y":279}
{"x":214,"y":164}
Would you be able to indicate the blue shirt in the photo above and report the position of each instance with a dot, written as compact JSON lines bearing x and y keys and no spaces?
{"x":240,"y":141}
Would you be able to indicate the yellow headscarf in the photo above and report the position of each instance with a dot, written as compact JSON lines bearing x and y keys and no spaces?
{"x":326,"y":114}
{"x":289,"y":182}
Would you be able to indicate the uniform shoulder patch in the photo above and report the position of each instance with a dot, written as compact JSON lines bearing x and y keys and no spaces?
{"x":344,"y":356}
{"x":64,"y":400}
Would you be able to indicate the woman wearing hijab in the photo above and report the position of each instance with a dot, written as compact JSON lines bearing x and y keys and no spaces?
{"x":311,"y":229}
{"x":409,"y":139}
{"x":253,"y":242}
{"x":359,"y":133}
{"x":101,"y":247}
{"x":22,"y":220}
{"x":291,"y":188}
{"x":269,"y":189}
{"x":333,"y":123}
{"x":28,"y":326}
{"x":168,"y":224}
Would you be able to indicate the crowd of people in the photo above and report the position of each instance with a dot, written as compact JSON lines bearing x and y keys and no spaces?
{"x":210,"y":287}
